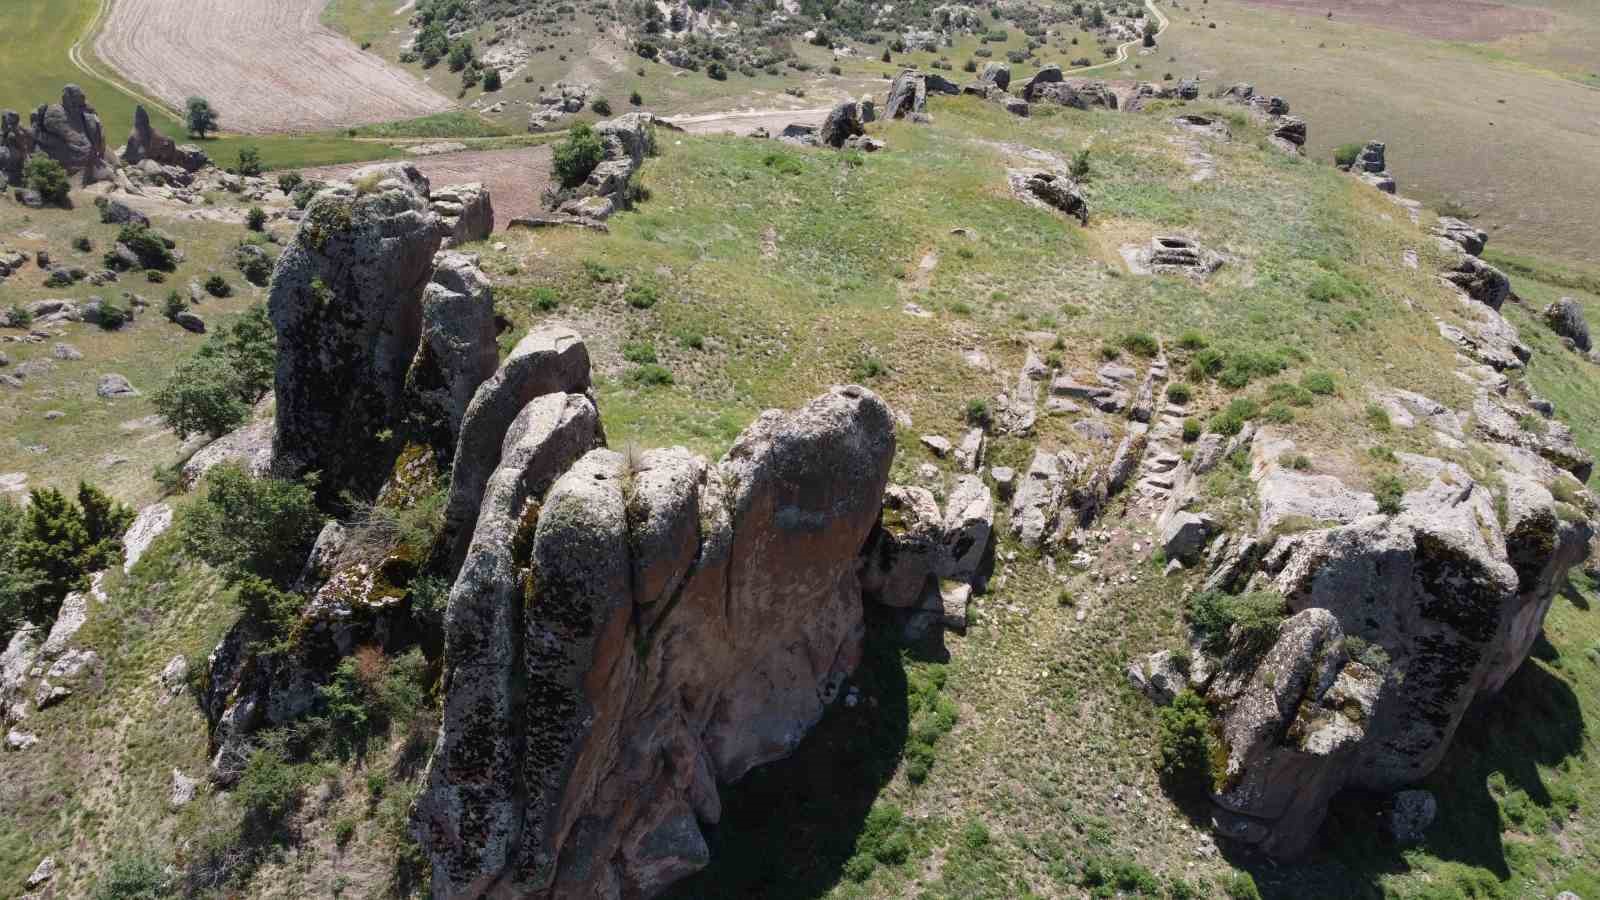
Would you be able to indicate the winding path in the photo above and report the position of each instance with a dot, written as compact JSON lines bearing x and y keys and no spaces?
{"x":1122,"y":49}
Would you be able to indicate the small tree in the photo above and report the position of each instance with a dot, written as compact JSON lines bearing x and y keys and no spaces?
{"x":249,"y":161}
{"x":717,"y":71}
{"x":45,"y":175}
{"x":256,"y":218}
{"x":491,"y":80}
{"x":201,"y":118}
{"x":288,"y":181}
{"x":251,"y":527}
{"x":202,"y":397}
{"x":577,"y":156}
{"x":635,"y":99}
{"x":1079,"y":169}
{"x":460,"y":56}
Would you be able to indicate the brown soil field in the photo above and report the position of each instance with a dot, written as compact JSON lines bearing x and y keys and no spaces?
{"x":1450,"y":20}
{"x":267,"y":66}
{"x":514,"y":177}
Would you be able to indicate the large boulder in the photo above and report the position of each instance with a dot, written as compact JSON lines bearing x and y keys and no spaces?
{"x":1053,"y":190}
{"x":908,"y":95}
{"x":465,"y":213}
{"x":1400,"y":622}
{"x":997,"y":74}
{"x":1463,"y":234}
{"x":1050,"y":74}
{"x":1565,"y":317}
{"x":146,"y":143}
{"x":1479,"y":280}
{"x":843,"y":123}
{"x":656,"y":626}
{"x":346,"y":301}
{"x":16,"y":143}
{"x":70,"y":133}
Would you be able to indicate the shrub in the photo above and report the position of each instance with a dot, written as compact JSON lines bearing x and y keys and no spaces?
{"x":971,"y":65}
{"x":577,"y":156}
{"x":217,"y":286}
{"x":269,"y":789}
{"x":1294,"y":395}
{"x":651,"y":375}
{"x":1141,"y":344}
{"x":1079,"y":168}
{"x":1345,"y":155}
{"x":1110,"y":351}
{"x":1246,"y":621}
{"x":200,"y":117}
{"x":1179,"y":393}
{"x":635,"y":99}
{"x":45,"y":175}
{"x":113,"y":317}
{"x":866,"y":368}
{"x":1191,"y":430}
{"x":544,"y":299}
{"x":641,"y":296}
{"x":978,"y":413}
{"x":51,"y":547}
{"x":1378,"y":418}
{"x":1278,"y":414}
{"x":133,"y":878}
{"x":1241,"y":886}
{"x":155,"y":276}
{"x":251,"y":527}
{"x":173,"y":305}
{"x":256,"y":219}
{"x":491,"y":80}
{"x":1390,"y":493}
{"x":1186,"y":746}
{"x":289,"y":181}
{"x":639,"y":352}
{"x":203,"y":396}
{"x":717,"y":72}
{"x":1320,"y":383}
{"x":304,"y":193}
{"x":1231,"y":420}
{"x":148,"y":246}
{"x":249,"y":161}
{"x":18,"y":316}
{"x":601,"y":106}
{"x":887,"y":58}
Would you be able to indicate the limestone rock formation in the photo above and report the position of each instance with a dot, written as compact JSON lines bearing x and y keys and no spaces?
{"x":626,"y":140}
{"x":843,"y":122}
{"x":997,"y":74}
{"x":1444,"y":599}
{"x":70,"y":133}
{"x":465,"y":212}
{"x":456,"y":352}
{"x":1052,"y":190}
{"x":908,"y":95}
{"x":650,"y":607}
{"x":1565,"y":317}
{"x":346,"y":301}
{"x":1463,"y":234}
{"x":146,"y":143}
{"x":16,"y":143}
{"x":1048,"y":74}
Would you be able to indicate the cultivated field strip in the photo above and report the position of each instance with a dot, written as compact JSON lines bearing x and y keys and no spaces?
{"x":268,"y":66}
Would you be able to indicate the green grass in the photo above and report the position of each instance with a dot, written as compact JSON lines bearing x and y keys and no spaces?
{"x":453,"y":124}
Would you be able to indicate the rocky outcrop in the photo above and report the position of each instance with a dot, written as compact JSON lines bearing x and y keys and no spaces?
{"x":656,"y":625}
{"x":908,"y":95}
{"x":1565,"y":317}
{"x":843,"y":123}
{"x":1078,"y":93}
{"x":626,"y":140}
{"x":456,"y":352}
{"x":1371,"y":166}
{"x":1049,"y":74}
{"x":465,"y":213}
{"x":1479,"y":280}
{"x":1052,"y":190}
{"x":1401,"y":620}
{"x":70,"y":133}
{"x":16,"y":143}
{"x":146,"y":143}
{"x":346,"y":301}
{"x":1461,"y":233}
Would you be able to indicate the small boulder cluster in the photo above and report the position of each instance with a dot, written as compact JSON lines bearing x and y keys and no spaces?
{"x":1288,"y":132}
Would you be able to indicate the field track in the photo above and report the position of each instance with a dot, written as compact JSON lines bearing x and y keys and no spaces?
{"x":267,"y":66}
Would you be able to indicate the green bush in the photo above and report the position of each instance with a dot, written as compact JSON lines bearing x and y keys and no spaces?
{"x":717,"y":71}
{"x":148,"y":246}
{"x":203,"y":396}
{"x":1231,"y":420}
{"x":288,"y":182}
{"x":1292,"y":394}
{"x":491,"y":80}
{"x":1345,"y":155}
{"x":601,"y":106}
{"x":1191,"y":430}
{"x":217,"y":286}
{"x":577,"y":156}
{"x":256,"y":219}
{"x":1278,"y":414}
{"x":269,"y":789}
{"x":978,"y":413}
{"x":641,"y":296}
{"x":133,"y":878}
{"x":1320,"y":383}
{"x":1141,"y":344}
{"x":249,"y":526}
{"x":113,"y":316}
{"x":1378,"y":418}
{"x":639,"y":352}
{"x":1389,"y":491}
{"x":1241,"y":886}
{"x":1079,"y":169}
{"x":250,"y":161}
{"x":45,"y":175}
{"x":17,"y":584}
{"x":635,"y":99}
{"x":54,"y":545}
{"x":1246,"y":621}
{"x":1192,"y":340}
{"x":1186,"y":746}
{"x":200,"y":117}
{"x":651,"y":375}
{"x":1180,"y":393}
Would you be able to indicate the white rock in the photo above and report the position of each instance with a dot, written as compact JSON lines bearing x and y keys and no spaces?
{"x":183,"y":788}
{"x":939,"y":445}
{"x":20,"y":740}
{"x":45,"y":871}
{"x":149,"y":525}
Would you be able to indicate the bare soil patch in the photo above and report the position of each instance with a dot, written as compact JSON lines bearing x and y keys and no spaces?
{"x":267,"y":66}
{"x":515,"y":178}
{"x":1450,"y":20}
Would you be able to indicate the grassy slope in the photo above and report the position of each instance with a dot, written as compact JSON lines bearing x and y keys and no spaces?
{"x":35,"y":65}
{"x":1049,"y":762}
{"x":1475,"y":124}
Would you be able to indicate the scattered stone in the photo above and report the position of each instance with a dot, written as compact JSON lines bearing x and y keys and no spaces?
{"x":1565,"y":317}
{"x":190,"y":321}
{"x":969,"y":453}
{"x":1185,"y":535}
{"x":45,"y":871}
{"x":66,"y":352}
{"x":1049,"y":189}
{"x":183,"y":789}
{"x":465,"y":212}
{"x":70,"y":133}
{"x":1049,"y":74}
{"x":18,"y":740}
{"x":114,"y":387}
{"x":939,"y":445}
{"x":843,"y":122}
{"x":1463,"y":234}
{"x":1159,"y":677}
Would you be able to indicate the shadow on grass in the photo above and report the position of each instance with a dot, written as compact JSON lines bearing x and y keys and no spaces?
{"x":1494,"y":757}
{"x":788,"y":827}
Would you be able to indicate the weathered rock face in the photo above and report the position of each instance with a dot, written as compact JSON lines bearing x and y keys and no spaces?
{"x":550,"y":359}
{"x":908,"y":95}
{"x":649,"y":627}
{"x":1463,"y":234}
{"x":1050,"y":189}
{"x":465,"y":213}
{"x":627,"y":140}
{"x":70,"y":133}
{"x":16,"y":143}
{"x":146,"y":143}
{"x":1078,"y":93}
{"x":842,"y":124}
{"x":346,"y":300}
{"x":1480,"y":281}
{"x":1050,"y":74}
{"x":457,"y":349}
{"x":1444,"y":600}
{"x":997,"y":74}
{"x":1565,"y":317}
